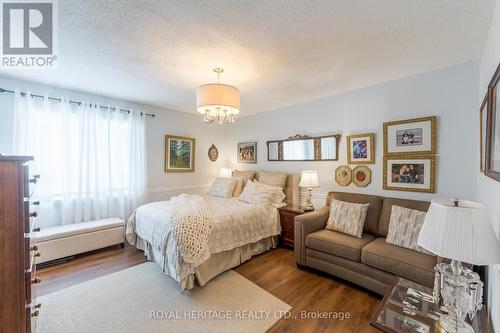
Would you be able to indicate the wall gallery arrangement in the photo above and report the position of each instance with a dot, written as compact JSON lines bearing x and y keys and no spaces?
{"x":409,"y":161}
{"x":247,"y":152}
{"x":492,"y":140}
{"x":179,"y":153}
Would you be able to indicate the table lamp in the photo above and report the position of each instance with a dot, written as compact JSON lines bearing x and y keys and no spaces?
{"x":225,"y":173}
{"x":309,"y":179}
{"x":461,"y":231}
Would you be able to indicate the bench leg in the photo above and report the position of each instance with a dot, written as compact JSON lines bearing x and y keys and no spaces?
{"x":122,"y":245}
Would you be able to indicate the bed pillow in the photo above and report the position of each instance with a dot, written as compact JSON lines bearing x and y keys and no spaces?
{"x":239,"y":187}
{"x":273,"y":178}
{"x":222,"y":187}
{"x":246,"y":175}
{"x":404,"y":228}
{"x":256,"y":193}
{"x":346,"y":217}
{"x":277,"y":193}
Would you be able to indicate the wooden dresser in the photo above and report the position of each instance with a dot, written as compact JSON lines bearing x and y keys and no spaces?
{"x":287,"y":215}
{"x":17,"y":253}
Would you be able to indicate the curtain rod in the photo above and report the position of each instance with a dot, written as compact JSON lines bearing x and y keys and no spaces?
{"x":73,"y":102}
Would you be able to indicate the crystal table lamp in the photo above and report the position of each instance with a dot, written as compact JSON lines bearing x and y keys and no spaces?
{"x":309,"y":179}
{"x":460,"y":231}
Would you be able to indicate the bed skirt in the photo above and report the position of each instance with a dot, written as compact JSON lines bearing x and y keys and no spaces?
{"x":216,"y":264}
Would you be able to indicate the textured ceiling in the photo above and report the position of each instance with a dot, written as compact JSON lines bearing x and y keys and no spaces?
{"x":277,"y":52}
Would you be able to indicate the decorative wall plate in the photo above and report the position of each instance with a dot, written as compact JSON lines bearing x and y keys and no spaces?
{"x":361,"y":176}
{"x":213,"y":153}
{"x":343,"y":175}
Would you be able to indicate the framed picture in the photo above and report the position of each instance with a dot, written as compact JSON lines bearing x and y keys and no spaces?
{"x":410,"y":173}
{"x":413,"y":136}
{"x":361,"y":176}
{"x":343,"y":175}
{"x":492,"y":165}
{"x":247,"y":152}
{"x":361,"y":149}
{"x":483,"y":115}
{"x":213,"y":153}
{"x":179,"y":154}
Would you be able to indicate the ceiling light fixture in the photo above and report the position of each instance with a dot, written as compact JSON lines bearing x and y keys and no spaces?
{"x":218,"y":102}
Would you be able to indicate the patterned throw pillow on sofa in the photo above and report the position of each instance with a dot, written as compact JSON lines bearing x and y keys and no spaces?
{"x":404,"y":228}
{"x":346,"y":217}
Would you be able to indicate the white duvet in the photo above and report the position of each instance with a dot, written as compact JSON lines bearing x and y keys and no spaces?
{"x":235,"y":224}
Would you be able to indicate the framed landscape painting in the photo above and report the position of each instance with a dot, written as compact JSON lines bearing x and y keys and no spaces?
{"x":361,"y":149}
{"x":412,"y":136}
{"x":410,"y":173}
{"x":247,"y":152}
{"x":179,"y":154}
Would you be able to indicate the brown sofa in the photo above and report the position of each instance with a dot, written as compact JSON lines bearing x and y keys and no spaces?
{"x":369,"y":262}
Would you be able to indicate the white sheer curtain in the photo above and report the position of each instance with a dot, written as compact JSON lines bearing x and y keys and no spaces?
{"x":91,"y":160}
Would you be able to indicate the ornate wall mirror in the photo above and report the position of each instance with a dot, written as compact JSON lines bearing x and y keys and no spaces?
{"x":304,"y":148}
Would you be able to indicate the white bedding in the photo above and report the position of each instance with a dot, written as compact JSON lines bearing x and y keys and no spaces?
{"x":235,"y":224}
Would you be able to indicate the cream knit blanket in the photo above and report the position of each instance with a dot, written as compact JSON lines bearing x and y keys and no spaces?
{"x":191,"y":225}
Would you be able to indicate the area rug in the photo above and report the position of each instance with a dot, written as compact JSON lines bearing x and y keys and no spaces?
{"x":143,"y":299}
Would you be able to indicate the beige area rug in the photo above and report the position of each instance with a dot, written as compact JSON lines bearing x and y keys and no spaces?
{"x":143,"y":299}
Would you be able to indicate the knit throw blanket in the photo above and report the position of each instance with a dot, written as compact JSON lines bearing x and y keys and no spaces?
{"x":191,"y":224}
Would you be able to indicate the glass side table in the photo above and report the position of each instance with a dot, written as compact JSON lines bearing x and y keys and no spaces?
{"x":408,"y":307}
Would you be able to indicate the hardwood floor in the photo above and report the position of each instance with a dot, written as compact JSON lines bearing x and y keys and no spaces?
{"x":275,"y":271}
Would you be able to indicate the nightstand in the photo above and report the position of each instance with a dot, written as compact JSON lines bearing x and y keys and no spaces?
{"x":287,"y":215}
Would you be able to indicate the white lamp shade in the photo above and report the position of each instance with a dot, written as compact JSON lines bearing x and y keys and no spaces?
{"x":210,"y":98}
{"x":309,"y":178}
{"x":225,"y":172}
{"x":462,"y":233}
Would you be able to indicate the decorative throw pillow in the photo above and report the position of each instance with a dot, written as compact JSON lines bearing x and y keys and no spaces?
{"x":277,"y":193}
{"x":222,"y":187}
{"x":256,"y":193}
{"x":246,"y":175}
{"x":404,"y":228}
{"x":346,"y":217}
{"x":277,"y":179}
{"x":239,"y":187}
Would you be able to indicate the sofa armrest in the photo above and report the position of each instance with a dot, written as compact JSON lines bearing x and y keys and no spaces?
{"x":304,"y":225}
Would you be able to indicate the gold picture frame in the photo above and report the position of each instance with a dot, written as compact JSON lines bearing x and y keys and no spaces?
{"x":179,"y":153}
{"x":361,"y":176}
{"x":483,"y":115}
{"x":343,"y":175}
{"x":410,"y":147}
{"x":369,"y":139}
{"x":402,"y":181}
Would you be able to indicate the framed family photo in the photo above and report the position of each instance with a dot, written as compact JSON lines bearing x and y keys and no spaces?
{"x":410,"y":173}
{"x":492,"y":163}
{"x":483,"y":116}
{"x":412,"y":136}
{"x":247,"y":152}
{"x":361,"y":148}
{"x":179,"y":154}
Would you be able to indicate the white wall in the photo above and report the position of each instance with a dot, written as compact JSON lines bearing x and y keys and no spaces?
{"x":161,"y":185}
{"x":488,"y":190}
{"x":449,"y":93}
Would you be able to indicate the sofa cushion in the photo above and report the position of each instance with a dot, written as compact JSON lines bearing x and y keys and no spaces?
{"x":385,"y":214}
{"x":338,"y":244}
{"x":372,"y":215}
{"x":399,"y":261}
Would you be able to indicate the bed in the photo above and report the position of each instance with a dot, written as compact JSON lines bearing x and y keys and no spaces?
{"x":240,"y":230}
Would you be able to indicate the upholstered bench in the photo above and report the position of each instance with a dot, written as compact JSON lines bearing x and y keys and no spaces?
{"x":67,"y":240}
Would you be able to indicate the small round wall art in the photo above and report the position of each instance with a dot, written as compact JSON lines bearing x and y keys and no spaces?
{"x":361,"y":176}
{"x":343,"y":175}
